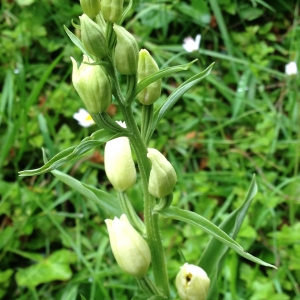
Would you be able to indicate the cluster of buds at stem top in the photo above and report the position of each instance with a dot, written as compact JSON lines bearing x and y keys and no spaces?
{"x":146,"y":67}
{"x":192,"y":283}
{"x":130,"y":250}
{"x":162,"y":175}
{"x":91,"y":7}
{"x":93,"y":37}
{"x":119,"y":164}
{"x":126,"y":51}
{"x":92,"y":85}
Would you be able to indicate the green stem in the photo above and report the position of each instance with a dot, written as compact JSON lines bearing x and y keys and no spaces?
{"x":151,"y":220}
{"x":147,"y":286}
{"x":147,"y":117}
{"x":129,"y":211}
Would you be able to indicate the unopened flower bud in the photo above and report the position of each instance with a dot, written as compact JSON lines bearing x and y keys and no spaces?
{"x":192,"y":283}
{"x":92,"y":85}
{"x":101,"y":22}
{"x":118,"y":163}
{"x":147,"y":66}
{"x":90,"y":7}
{"x":130,"y":250}
{"x":162,"y":175}
{"x":126,"y":51}
{"x":112,"y":10}
{"x":93,"y":37}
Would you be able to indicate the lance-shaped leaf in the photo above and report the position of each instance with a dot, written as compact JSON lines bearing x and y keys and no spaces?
{"x":209,"y":227}
{"x":181,"y":90}
{"x":104,"y":200}
{"x":97,"y":138}
{"x":215,"y":252}
{"x":160,"y":74}
{"x":76,"y":41}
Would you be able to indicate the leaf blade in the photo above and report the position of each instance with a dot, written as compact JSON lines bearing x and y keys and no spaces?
{"x":97,"y":138}
{"x":207,"y":226}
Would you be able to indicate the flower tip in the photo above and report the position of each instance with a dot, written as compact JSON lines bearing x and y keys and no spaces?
{"x":291,"y":68}
{"x":83,"y":118}
{"x":190,"y":44}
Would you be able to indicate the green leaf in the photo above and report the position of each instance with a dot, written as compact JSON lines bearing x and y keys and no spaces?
{"x":30,"y":255}
{"x":97,"y":138}
{"x":215,"y":252}
{"x":5,"y":275}
{"x":76,"y":41}
{"x":55,"y":267}
{"x":103,"y":199}
{"x":82,"y":297}
{"x":176,"y":95}
{"x":147,"y":297}
{"x":207,"y":226}
{"x":160,"y":74}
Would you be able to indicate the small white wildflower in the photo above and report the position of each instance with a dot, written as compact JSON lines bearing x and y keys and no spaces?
{"x":190,"y":44}
{"x":84,"y":118}
{"x":121,"y":123}
{"x":291,"y":68}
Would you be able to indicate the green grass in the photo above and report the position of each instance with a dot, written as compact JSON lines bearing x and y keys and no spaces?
{"x":242,"y":119}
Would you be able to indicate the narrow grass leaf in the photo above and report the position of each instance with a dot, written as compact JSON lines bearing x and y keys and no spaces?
{"x":7,"y":96}
{"x":240,"y":95}
{"x":45,"y":132}
{"x":37,"y":89}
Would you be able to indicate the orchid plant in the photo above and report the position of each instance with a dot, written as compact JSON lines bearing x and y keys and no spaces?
{"x":110,"y":53}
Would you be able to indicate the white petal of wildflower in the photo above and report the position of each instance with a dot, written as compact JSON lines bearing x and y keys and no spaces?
{"x":84,"y":118}
{"x":291,"y":68}
{"x":190,"y":44}
{"x":121,"y":123}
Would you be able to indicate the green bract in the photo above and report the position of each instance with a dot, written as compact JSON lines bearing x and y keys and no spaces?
{"x":92,"y":85}
{"x":147,"y":66}
{"x":126,"y":51}
{"x":92,"y":37}
{"x":90,"y":7}
{"x":112,"y":10}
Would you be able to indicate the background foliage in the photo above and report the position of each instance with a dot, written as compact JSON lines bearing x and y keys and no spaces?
{"x":243,"y":119}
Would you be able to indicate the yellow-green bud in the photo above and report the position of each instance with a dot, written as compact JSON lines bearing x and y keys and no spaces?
{"x":101,"y":22}
{"x":90,"y":7}
{"x":126,"y":51}
{"x":130,"y":250}
{"x":112,"y":10}
{"x":147,"y":66}
{"x":118,"y":163}
{"x":162,"y":175}
{"x":92,"y":85}
{"x":192,"y":283}
{"x":93,"y":37}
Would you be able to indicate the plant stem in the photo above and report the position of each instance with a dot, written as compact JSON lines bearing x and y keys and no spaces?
{"x":151,"y":220}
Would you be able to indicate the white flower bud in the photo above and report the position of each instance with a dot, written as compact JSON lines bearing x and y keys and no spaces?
{"x":162,"y":175}
{"x":118,"y":163}
{"x":192,"y":283}
{"x":130,"y":250}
